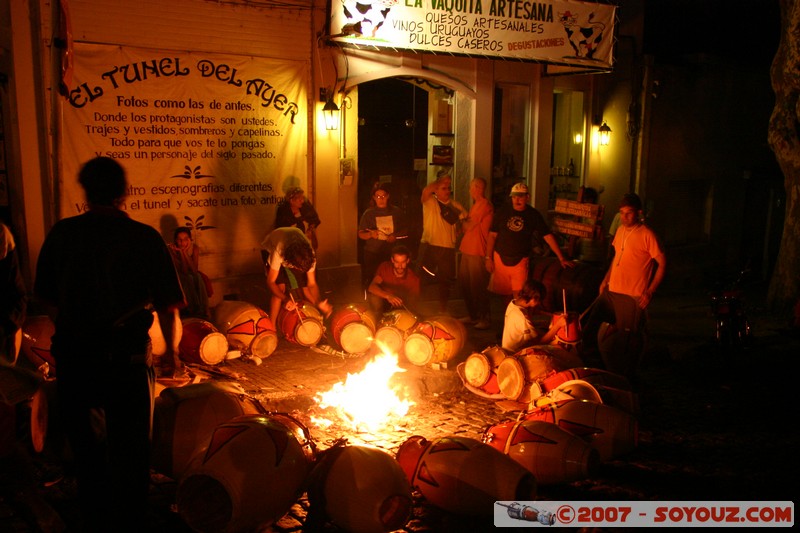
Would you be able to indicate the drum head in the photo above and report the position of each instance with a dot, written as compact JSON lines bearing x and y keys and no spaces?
{"x":391,"y":338}
{"x":264,"y":344}
{"x":213,"y":348}
{"x":511,"y":378}
{"x":477,"y":369}
{"x":400,"y":319}
{"x":308,"y":332}
{"x":418,"y":349}
{"x":356,"y":338}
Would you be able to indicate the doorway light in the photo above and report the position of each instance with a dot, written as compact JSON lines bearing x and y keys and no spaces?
{"x":577,"y":138}
{"x":331,"y":113}
{"x":605,"y":134}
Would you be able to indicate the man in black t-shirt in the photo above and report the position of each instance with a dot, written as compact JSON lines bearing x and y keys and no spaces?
{"x":510,"y":241}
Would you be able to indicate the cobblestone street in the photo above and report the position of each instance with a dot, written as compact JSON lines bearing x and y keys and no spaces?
{"x":711,"y":424}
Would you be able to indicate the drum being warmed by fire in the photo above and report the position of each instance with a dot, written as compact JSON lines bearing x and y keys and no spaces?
{"x":437,"y":340}
{"x":353,"y":327}
{"x":393,"y":327}
{"x":360,"y":489}
{"x":303,"y":325}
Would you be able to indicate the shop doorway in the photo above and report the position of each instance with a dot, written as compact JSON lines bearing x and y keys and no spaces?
{"x":392,"y":135}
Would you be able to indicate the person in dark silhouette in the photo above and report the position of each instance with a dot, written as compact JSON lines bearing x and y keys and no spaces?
{"x":101,"y":277}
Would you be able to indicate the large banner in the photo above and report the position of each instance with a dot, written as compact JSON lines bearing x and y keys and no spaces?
{"x":562,"y":32}
{"x":211,"y":142}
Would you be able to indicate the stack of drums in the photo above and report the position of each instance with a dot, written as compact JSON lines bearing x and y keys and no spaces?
{"x":202,"y":343}
{"x":516,"y":373}
{"x":353,"y":328}
{"x":247,"y":327}
{"x":480,"y":369}
{"x":303,"y":325}
{"x":435,"y":341}
{"x":392,"y":329}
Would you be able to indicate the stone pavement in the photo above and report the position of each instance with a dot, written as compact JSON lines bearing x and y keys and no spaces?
{"x":696,"y":401}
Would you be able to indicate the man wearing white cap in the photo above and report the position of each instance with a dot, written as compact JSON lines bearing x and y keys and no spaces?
{"x":511,"y":239}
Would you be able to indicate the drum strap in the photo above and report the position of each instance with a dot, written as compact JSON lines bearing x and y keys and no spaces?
{"x":292,"y":278}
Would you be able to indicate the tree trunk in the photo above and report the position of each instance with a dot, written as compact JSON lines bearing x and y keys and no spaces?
{"x":784,"y":139}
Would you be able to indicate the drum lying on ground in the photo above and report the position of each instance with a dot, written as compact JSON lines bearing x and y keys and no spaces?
{"x":202,"y":343}
{"x":551,"y":454}
{"x":463,"y":475}
{"x":246,"y":327}
{"x":612,"y":431}
{"x":437,"y":340}
{"x":353,"y":328}
{"x":393,"y":328}
{"x":247,"y":476}
{"x":480,"y":369}
{"x":303,"y":325}
{"x":361,"y":489}
{"x":516,"y":373}
{"x":185,"y":417}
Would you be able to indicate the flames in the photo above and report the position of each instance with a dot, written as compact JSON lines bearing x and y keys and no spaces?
{"x":366,"y":400}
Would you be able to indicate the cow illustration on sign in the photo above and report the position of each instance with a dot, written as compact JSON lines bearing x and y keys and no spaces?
{"x":365,"y":17}
{"x":583,"y":38}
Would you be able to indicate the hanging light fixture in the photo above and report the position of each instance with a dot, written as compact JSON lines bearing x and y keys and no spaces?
{"x":331,"y":113}
{"x":605,"y":134}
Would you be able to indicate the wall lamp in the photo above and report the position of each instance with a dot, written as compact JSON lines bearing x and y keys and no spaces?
{"x":605,"y":134}
{"x":331,"y":113}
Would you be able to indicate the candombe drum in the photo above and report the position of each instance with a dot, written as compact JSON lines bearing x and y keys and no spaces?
{"x":303,"y":325}
{"x":570,"y":335}
{"x":578,"y":389}
{"x":463,"y":475}
{"x":550,"y":453}
{"x":247,"y":327}
{"x":185,"y":417}
{"x":202,"y":343}
{"x":392,"y":329}
{"x":612,"y":431}
{"x":516,"y":373}
{"x":480,"y":369}
{"x":247,"y":476}
{"x":437,"y":340}
{"x":353,"y":328}
{"x":595,"y":376}
{"x":361,"y":489}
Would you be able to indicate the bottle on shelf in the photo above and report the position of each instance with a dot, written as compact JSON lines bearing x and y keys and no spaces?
{"x":571,"y":168}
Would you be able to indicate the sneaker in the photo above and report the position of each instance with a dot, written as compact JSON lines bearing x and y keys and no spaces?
{"x":467,"y":319}
{"x":482,"y":324}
